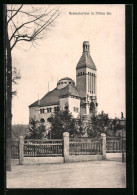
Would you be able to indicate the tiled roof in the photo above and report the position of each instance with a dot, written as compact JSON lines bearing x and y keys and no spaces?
{"x":34,"y":104}
{"x":86,"y":61}
{"x":52,"y":97}
{"x":70,"y":90}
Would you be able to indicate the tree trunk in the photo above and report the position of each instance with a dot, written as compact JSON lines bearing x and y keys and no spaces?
{"x":8,"y":83}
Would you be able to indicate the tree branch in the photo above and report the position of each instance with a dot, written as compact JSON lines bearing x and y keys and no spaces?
{"x":25,"y":24}
{"x":15,"y":13}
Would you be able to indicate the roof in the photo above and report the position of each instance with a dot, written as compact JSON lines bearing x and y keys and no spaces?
{"x":70,"y":90}
{"x":52,"y":97}
{"x":66,"y":78}
{"x":86,"y":61}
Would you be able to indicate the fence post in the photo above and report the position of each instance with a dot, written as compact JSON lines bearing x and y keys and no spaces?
{"x":65,"y":145}
{"x":21,"y":150}
{"x":103,"y":135}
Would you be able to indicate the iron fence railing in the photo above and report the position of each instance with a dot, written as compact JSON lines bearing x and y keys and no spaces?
{"x":85,"y":146}
{"x":115,"y":144}
{"x":43,"y":148}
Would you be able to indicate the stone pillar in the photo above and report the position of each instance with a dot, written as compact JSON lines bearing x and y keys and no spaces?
{"x":65,"y":145}
{"x":21,"y":150}
{"x":103,"y":136}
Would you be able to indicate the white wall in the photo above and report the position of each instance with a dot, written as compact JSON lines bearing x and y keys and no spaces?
{"x":72,"y":102}
{"x":35,"y":112}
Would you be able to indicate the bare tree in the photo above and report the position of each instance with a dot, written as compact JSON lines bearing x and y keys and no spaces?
{"x":28,"y":23}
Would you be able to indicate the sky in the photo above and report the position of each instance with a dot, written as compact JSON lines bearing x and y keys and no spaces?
{"x":58,"y":54}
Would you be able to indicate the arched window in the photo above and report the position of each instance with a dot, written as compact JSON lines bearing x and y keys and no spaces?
{"x":42,"y":120}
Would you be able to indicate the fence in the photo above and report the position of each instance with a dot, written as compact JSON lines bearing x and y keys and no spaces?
{"x":15,"y":149}
{"x":68,"y":147}
{"x":115,"y":144}
{"x":44,"y":148}
{"x":85,"y":146}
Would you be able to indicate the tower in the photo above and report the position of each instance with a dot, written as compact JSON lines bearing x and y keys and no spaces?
{"x":86,"y":81}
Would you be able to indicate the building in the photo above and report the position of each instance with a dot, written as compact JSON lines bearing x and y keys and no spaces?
{"x":80,"y":98}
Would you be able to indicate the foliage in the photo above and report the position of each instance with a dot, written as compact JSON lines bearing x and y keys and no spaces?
{"x":80,"y":126}
{"x":62,"y":121}
{"x":101,"y":123}
{"x":21,"y":23}
{"x":19,"y":130}
{"x":16,"y":76}
{"x":36,"y":129}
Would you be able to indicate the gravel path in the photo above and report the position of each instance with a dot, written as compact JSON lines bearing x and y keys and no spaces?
{"x":93,"y":174}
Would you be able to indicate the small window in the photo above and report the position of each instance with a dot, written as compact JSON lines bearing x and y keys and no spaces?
{"x":69,"y":82}
{"x":75,"y":109}
{"x":48,"y":110}
{"x":42,"y":111}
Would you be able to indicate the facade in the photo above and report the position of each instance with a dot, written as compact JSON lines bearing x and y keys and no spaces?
{"x":80,"y":98}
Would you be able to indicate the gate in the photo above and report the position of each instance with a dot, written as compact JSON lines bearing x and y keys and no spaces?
{"x":85,"y":146}
{"x":43,"y":148}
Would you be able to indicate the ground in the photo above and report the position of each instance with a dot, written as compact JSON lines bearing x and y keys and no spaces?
{"x":91,"y":174}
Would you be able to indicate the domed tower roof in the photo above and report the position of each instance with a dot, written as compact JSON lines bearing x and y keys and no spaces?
{"x":64,"y":82}
{"x":86,"y":60}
